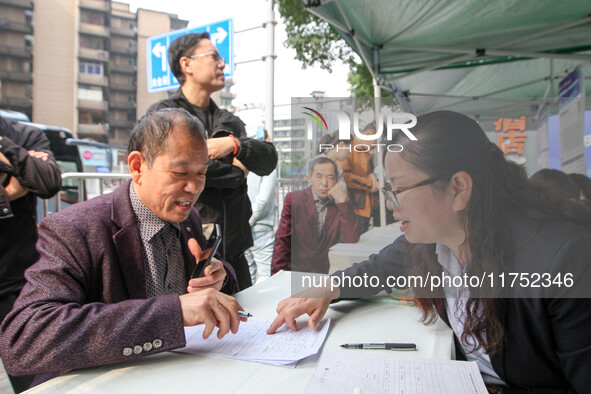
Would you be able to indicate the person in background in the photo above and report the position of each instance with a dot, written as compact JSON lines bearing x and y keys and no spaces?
{"x":196,"y":63}
{"x":557,"y":182}
{"x":362,"y":183}
{"x":262,"y":192}
{"x":27,"y":170}
{"x":337,"y":150}
{"x":466,"y":210}
{"x":112,"y":279}
{"x":313,"y":220}
{"x":585,"y":185}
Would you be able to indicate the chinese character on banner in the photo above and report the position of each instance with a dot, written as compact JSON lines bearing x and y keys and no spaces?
{"x":511,"y":135}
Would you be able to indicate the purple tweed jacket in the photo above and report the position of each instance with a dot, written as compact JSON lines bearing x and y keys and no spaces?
{"x":85,"y":303}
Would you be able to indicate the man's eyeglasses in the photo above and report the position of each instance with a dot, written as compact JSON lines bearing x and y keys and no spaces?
{"x":391,"y":195}
{"x":215,"y":55}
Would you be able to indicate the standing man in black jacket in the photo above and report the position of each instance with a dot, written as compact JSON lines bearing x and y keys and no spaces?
{"x":196,"y":63}
{"x":27,"y":170}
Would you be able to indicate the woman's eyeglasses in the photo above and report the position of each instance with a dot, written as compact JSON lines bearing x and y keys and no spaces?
{"x":391,"y":195}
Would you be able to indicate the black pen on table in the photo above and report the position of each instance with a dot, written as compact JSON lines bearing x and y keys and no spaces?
{"x":386,"y":346}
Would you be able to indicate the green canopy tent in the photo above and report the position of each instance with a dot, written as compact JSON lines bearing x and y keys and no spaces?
{"x":474,"y":56}
{"x":486,"y":59}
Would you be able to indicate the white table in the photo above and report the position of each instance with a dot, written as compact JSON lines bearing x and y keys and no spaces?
{"x":343,"y":255}
{"x":352,"y":321}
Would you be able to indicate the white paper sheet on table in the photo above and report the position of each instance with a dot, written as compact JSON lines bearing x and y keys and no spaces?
{"x":252,"y":343}
{"x":371,"y":371}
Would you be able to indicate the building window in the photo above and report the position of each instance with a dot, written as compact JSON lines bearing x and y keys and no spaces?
{"x":29,"y":41}
{"x":29,"y":17}
{"x":132,"y":44}
{"x":283,"y":123}
{"x":27,"y":66}
{"x":91,"y":68}
{"x":92,"y":42}
{"x":93,"y":19}
{"x":131,"y":97}
{"x":85,"y":118}
{"x":298,"y":133}
{"x":131,"y":115}
{"x":131,"y":61}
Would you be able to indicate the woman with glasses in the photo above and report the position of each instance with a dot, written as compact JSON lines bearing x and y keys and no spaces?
{"x":524,"y":312}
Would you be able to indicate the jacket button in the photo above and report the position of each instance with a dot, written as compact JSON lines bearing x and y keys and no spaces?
{"x":147,"y":346}
{"x":157,"y":343}
{"x":127,"y":351}
{"x":5,"y":210}
{"x":188,"y":229}
{"x":137,"y":349}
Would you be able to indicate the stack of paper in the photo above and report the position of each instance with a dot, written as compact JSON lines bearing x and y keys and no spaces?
{"x":252,"y":343}
{"x":371,"y":371}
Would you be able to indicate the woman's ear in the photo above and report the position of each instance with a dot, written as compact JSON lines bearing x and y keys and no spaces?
{"x":461,"y":188}
{"x":135,"y":161}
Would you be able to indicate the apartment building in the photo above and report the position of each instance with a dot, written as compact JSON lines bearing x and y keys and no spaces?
{"x":79,"y":64}
{"x":289,"y":137}
{"x":16,"y":58}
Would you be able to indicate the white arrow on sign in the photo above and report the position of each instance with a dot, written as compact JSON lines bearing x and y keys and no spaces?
{"x":219,"y":36}
{"x":159,"y":51}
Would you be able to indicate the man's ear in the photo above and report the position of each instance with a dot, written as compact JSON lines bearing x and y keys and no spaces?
{"x":461,"y":188}
{"x":135,"y":161}
{"x":186,"y":66}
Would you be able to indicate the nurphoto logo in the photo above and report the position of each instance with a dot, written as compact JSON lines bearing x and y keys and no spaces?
{"x":393,"y":121}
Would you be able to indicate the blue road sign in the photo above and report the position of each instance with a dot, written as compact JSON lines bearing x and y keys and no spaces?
{"x":159,"y":75}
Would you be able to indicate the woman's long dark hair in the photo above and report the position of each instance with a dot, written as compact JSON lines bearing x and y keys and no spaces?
{"x":449,"y":142}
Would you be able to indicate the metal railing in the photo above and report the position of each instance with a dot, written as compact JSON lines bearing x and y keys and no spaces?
{"x":55,"y":203}
{"x":60,"y":200}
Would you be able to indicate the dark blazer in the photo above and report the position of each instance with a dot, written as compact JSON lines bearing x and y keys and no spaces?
{"x":297,"y":238}
{"x":85,"y":301}
{"x":547,"y":339}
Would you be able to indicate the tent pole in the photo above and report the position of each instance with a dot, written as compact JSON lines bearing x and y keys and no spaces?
{"x":377,"y":92}
{"x":270,"y":59}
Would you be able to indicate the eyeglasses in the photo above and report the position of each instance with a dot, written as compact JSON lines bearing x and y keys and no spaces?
{"x":391,"y":195}
{"x":214,"y":54}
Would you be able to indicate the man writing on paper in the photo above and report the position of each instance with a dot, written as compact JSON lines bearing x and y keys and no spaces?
{"x":111,"y":280}
{"x":313,"y":220}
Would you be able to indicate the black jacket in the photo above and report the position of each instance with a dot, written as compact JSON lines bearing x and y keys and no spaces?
{"x":224,"y":199}
{"x":547,"y":345}
{"x":18,"y":218}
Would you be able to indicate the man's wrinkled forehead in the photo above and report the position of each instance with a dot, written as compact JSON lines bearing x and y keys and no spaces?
{"x":325,"y":168}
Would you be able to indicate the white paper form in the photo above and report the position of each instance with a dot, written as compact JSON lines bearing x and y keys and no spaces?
{"x":370,"y":371}
{"x":252,"y":343}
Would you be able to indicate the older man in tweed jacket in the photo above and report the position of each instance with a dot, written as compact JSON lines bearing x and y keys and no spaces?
{"x":111,"y":280}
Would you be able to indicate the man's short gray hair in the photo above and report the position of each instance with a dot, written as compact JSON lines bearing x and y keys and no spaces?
{"x":150,"y":132}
